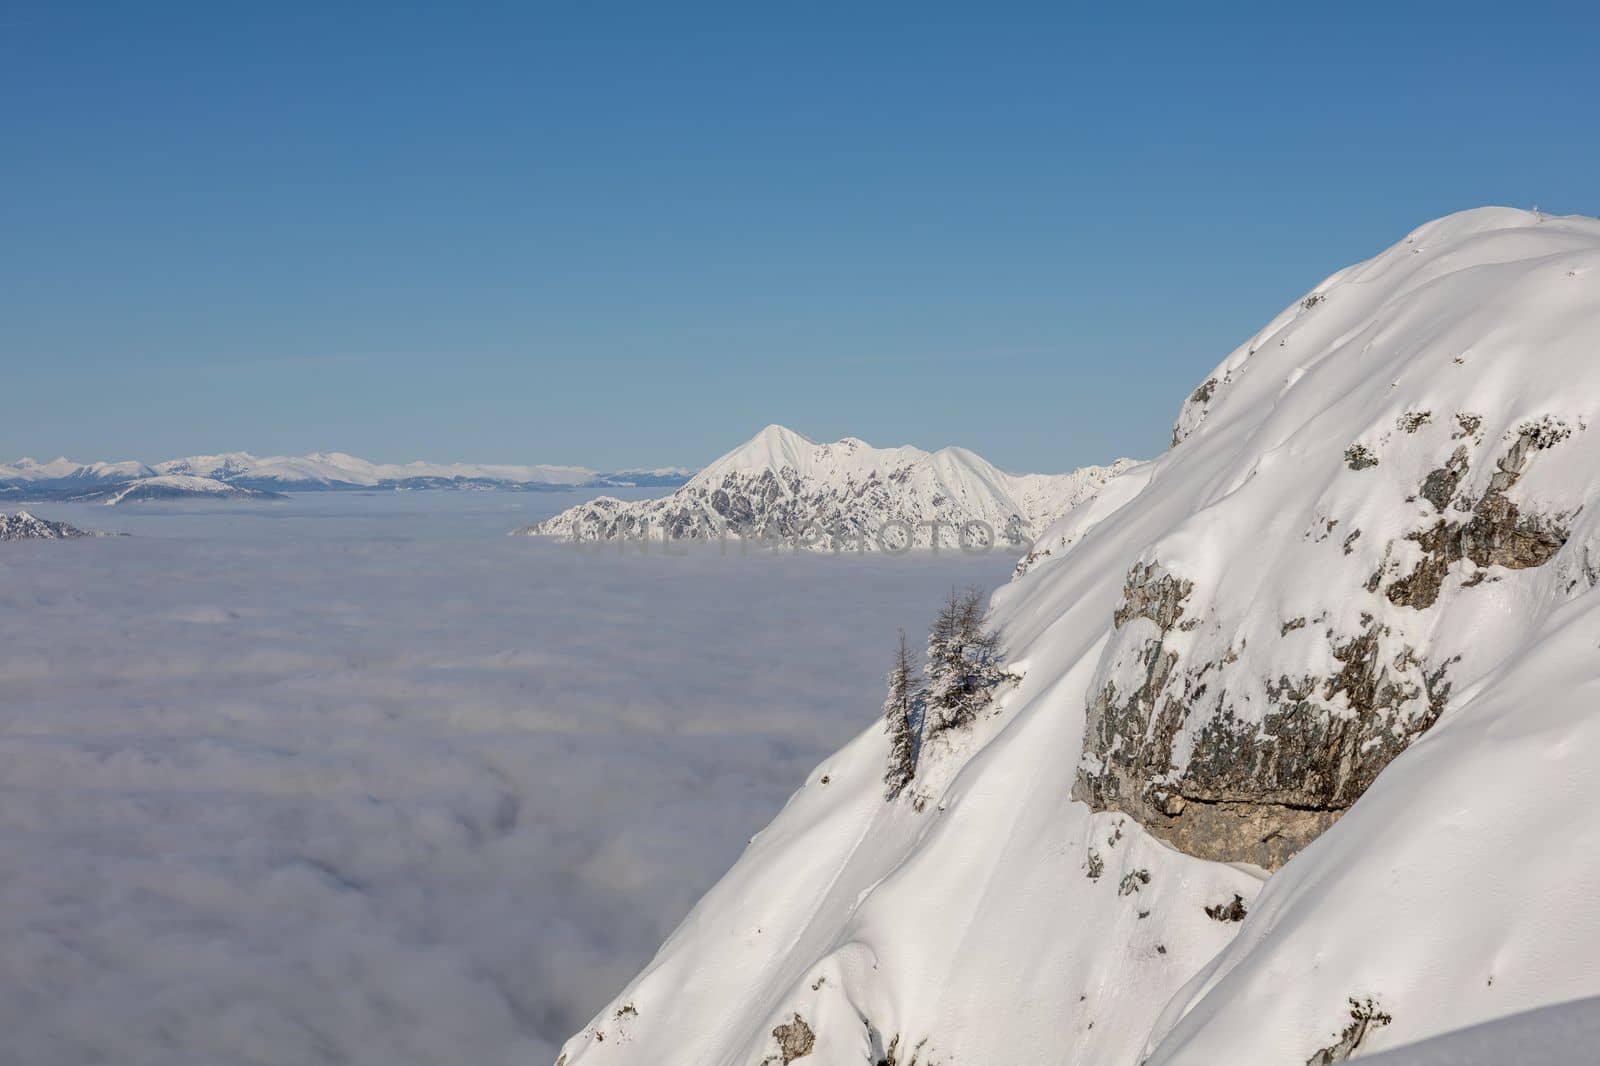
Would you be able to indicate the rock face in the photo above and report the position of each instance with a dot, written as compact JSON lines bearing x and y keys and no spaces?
{"x":24,"y":526}
{"x":1246,"y":791}
{"x":1488,"y":531}
{"x":1310,"y":696}
{"x":1165,"y":740}
{"x":782,"y":488}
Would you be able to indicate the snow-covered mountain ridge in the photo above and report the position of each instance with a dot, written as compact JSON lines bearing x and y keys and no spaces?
{"x":320,"y":471}
{"x":784,"y":487}
{"x":25,"y":526}
{"x":1344,"y":630}
{"x":175,"y":487}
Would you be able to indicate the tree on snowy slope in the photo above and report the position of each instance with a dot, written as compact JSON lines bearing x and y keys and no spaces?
{"x":902,"y":719}
{"x":965,"y":662}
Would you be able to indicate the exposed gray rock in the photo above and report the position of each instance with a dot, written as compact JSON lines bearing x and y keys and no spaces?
{"x":1168,"y":741}
{"x":1247,"y":791}
{"x":1412,"y":421}
{"x":1359,"y":457}
{"x":1196,"y":407}
{"x":1496,"y":533}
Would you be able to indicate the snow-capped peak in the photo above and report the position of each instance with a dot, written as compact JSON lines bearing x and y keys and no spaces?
{"x":783,"y":485}
{"x":774,"y":448}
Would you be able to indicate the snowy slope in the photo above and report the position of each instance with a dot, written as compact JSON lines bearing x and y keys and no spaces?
{"x":1343,"y":631}
{"x":176,"y":487}
{"x":1550,"y":1036}
{"x":783,"y":486}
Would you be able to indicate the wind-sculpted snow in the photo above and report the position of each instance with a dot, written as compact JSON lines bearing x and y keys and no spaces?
{"x":1343,"y":630}
{"x":1561,"y":1035}
{"x":784,"y":488}
{"x":364,"y":781}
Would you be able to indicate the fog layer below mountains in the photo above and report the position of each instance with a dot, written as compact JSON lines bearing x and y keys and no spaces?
{"x":360,"y":779}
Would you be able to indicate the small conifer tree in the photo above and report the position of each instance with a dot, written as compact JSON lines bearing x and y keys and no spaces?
{"x":965,"y":662}
{"x":902,"y":719}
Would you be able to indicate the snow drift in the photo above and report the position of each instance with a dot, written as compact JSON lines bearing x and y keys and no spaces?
{"x":784,"y":487}
{"x":1343,"y":630}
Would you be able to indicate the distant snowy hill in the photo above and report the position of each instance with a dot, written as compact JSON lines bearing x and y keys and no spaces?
{"x":338,"y":470}
{"x":24,"y":526}
{"x":663,"y":476}
{"x":176,"y":487}
{"x":32,"y":472}
{"x":1297,"y":760}
{"x":64,"y":479}
{"x":783,"y":486}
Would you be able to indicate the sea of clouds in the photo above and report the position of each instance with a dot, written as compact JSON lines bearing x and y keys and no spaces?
{"x":358,"y":779}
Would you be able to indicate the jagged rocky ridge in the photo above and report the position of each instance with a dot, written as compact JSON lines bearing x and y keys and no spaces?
{"x":1295,"y":767}
{"x":784,"y":488}
{"x":25,"y":526}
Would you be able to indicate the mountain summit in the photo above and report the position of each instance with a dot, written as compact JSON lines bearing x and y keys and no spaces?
{"x":784,"y":487}
{"x":1293,"y":759}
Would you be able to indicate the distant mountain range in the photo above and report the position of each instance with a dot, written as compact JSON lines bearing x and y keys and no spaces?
{"x":240,"y":475}
{"x":783,"y":486}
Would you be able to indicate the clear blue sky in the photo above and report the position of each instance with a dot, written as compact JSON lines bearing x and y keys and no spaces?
{"x":613,"y":235}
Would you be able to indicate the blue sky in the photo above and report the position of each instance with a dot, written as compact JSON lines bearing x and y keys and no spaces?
{"x":616,"y":235}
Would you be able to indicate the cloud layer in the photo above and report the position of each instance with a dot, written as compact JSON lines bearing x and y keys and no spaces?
{"x":362,"y":780}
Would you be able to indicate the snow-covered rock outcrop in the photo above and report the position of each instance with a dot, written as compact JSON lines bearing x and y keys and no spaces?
{"x":24,"y":526}
{"x":783,"y":487}
{"x":1344,"y":630}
